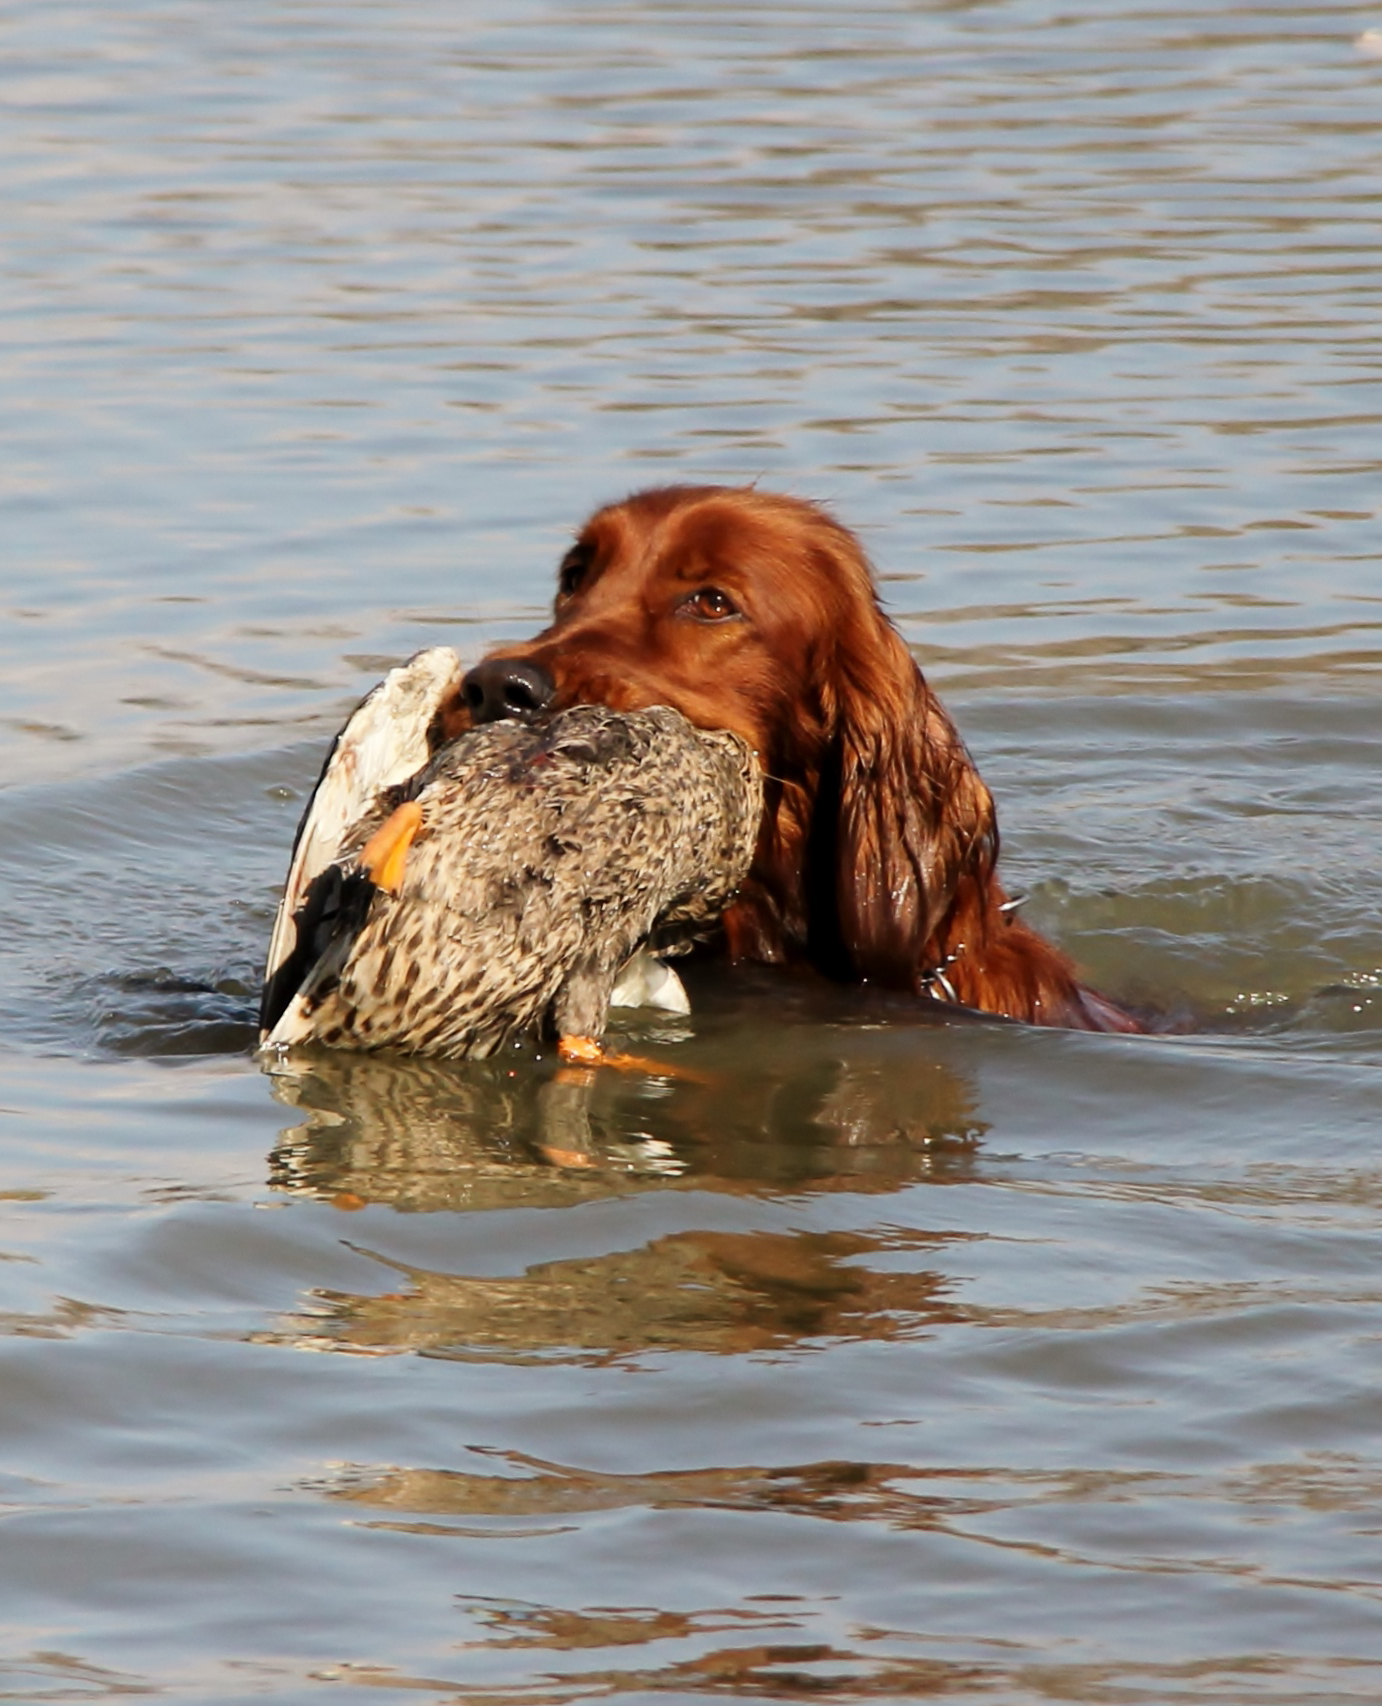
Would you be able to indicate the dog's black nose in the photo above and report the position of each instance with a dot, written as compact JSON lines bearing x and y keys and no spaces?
{"x":507,"y":687}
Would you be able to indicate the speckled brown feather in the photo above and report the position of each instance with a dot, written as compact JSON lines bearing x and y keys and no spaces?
{"x":547,"y":854}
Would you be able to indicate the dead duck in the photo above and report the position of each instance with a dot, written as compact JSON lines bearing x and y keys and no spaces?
{"x":446,"y":896}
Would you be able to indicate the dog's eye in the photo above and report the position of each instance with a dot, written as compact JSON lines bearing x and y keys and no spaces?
{"x":710,"y":605}
{"x":572,"y":571}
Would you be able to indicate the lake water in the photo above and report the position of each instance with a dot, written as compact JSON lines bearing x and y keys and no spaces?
{"x":902,"y":1359}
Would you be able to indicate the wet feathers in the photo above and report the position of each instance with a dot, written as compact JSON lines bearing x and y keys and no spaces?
{"x":548,"y":854}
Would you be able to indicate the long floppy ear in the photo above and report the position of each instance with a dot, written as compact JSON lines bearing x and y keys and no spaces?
{"x":914,"y":815}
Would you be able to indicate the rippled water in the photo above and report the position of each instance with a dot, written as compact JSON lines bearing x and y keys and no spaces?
{"x":900,"y":1359}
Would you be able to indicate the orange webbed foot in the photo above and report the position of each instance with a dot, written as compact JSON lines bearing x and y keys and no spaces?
{"x":585,"y":1051}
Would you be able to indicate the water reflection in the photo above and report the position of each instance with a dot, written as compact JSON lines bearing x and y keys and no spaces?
{"x":786,"y":1645}
{"x":832,"y":1492}
{"x":808,"y":1115}
{"x":723,"y":1293}
{"x":755,"y":1106}
{"x":766,"y":1671}
{"x":875,"y":1666}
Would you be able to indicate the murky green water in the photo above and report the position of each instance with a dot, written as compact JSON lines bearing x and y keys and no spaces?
{"x":899,"y":1359}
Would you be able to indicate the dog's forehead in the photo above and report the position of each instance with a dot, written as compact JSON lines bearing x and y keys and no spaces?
{"x":712,"y":539}
{"x":681,"y":542}
{"x":715,"y":537}
{"x":786,"y":559}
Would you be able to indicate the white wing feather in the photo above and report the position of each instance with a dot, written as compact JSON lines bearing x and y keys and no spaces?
{"x":383,"y":744}
{"x":649,"y":982}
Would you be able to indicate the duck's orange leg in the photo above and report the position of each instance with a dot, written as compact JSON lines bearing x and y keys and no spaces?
{"x":585,"y":1051}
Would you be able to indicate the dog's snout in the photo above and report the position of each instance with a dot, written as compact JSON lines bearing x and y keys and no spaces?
{"x":500,"y":688}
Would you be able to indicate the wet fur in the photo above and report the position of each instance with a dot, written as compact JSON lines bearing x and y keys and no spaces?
{"x":878,"y":850}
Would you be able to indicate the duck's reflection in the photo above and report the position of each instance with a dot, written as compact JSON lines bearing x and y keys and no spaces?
{"x":802,"y":1108}
{"x":527,"y":1489}
{"x":717,"y":1292}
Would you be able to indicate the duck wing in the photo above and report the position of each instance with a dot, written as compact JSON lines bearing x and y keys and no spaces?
{"x":646,"y":981}
{"x":387,"y":740}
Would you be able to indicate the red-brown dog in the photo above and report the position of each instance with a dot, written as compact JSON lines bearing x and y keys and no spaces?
{"x":757,"y":613}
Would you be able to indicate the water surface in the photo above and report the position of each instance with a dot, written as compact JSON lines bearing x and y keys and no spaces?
{"x":904,"y":1358}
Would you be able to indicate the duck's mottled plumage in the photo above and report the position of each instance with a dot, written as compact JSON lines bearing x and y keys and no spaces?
{"x":547,"y":854}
